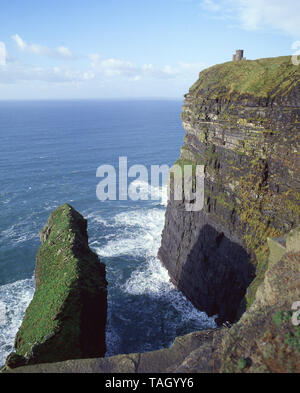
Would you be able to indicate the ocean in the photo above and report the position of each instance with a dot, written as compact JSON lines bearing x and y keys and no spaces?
{"x":49,"y":154}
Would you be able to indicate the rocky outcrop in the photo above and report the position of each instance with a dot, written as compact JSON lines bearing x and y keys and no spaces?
{"x":67,"y":317}
{"x":266,"y":339}
{"x":242,"y":122}
{"x":164,"y":360}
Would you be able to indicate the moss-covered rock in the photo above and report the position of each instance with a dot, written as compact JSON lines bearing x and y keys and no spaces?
{"x":266,"y":333}
{"x":67,"y":317}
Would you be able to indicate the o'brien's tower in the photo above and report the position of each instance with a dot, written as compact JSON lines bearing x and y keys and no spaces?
{"x":239,"y":55}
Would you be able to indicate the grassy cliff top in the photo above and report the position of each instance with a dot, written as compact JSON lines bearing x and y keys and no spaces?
{"x":262,"y":78}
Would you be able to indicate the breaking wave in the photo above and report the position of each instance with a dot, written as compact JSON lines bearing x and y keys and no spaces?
{"x":14,"y":299}
{"x":136,"y":235}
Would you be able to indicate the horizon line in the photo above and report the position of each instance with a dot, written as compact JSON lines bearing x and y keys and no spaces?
{"x":93,"y":99}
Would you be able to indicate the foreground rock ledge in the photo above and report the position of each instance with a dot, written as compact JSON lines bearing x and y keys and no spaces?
{"x":67,"y":316}
{"x":265,"y":340}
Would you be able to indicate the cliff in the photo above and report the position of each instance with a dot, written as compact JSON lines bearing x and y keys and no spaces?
{"x":240,"y":256}
{"x":264,"y":340}
{"x":67,"y":317}
{"x":267,"y":337}
{"x":242,"y":122}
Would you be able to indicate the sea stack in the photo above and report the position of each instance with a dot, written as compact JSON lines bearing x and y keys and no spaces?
{"x":67,"y":317}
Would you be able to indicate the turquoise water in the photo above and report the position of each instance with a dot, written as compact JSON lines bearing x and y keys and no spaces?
{"x":50,"y":152}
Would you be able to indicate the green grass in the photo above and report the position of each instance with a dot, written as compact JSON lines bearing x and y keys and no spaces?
{"x":65,"y":268}
{"x":262,"y":78}
{"x":242,"y":364}
{"x":282,"y":316}
{"x":293,"y":340}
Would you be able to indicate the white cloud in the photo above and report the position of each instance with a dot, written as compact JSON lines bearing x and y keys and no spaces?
{"x":16,"y":72}
{"x":116,"y":67}
{"x":60,"y":52}
{"x":278,"y":14}
{"x":191,"y":67}
{"x":3,"y":54}
{"x":256,"y":14}
{"x":21,"y":44}
{"x":65,"y":52}
{"x":98,"y":69}
{"x":165,"y":72}
{"x":210,"y":5}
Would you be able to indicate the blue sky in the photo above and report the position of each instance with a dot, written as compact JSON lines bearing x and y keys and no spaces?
{"x":63,"y":49}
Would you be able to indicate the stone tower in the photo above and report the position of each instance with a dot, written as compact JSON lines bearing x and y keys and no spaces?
{"x":239,"y":55}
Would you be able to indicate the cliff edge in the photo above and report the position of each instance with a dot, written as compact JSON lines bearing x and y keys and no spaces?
{"x":242,"y":122}
{"x":67,"y":317}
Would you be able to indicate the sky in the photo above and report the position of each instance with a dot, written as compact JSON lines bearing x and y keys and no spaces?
{"x":115,"y":49}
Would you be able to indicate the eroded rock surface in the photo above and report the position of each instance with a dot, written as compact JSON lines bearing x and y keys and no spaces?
{"x":264,"y":340}
{"x":242,"y":122}
{"x":67,"y":317}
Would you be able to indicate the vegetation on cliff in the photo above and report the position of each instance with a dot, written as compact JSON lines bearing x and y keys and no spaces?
{"x":264,"y":340}
{"x":67,"y":316}
{"x":263,"y":78}
{"x":266,"y":334}
{"x":242,"y":124}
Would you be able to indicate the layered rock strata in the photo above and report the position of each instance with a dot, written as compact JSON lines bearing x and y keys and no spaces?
{"x":242,"y":122}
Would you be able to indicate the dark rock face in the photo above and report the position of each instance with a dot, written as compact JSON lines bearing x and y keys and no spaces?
{"x":212,"y":269}
{"x":67,"y":316}
{"x":242,"y":124}
{"x":13,"y":361}
{"x":267,"y":335}
{"x":265,"y":340}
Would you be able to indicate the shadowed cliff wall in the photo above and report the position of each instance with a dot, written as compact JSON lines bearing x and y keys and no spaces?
{"x":242,"y":122}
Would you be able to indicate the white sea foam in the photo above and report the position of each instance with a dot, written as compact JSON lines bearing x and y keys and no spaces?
{"x":16,"y":234}
{"x":137,"y":233}
{"x":50,"y":206}
{"x":2,"y":313}
{"x":15,"y":298}
{"x":149,"y":192}
{"x":153,"y":279}
{"x":94,"y":217}
{"x":131,"y":233}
